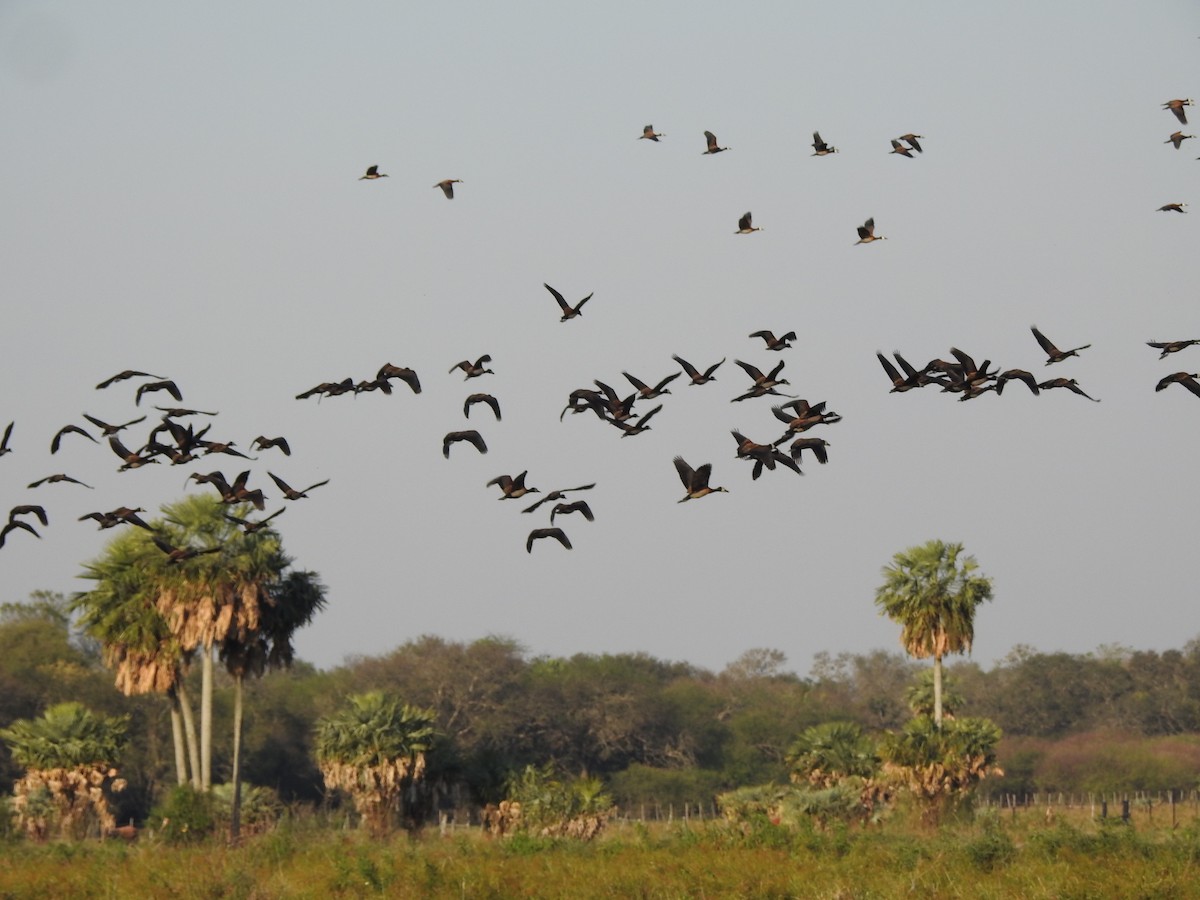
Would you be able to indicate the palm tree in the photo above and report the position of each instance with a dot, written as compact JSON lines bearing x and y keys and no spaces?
{"x":932,"y":591}
{"x":120,"y":612}
{"x":825,"y":755}
{"x":373,"y":749}
{"x":69,"y":755}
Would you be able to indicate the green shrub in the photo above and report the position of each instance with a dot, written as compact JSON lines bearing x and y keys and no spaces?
{"x":992,"y":849}
{"x":185,"y":816}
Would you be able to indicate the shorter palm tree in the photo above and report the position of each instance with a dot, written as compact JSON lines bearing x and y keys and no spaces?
{"x":70,"y":756}
{"x":374,"y":749}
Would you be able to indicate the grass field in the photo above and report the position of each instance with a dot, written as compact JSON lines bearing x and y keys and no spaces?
{"x":987,"y":856}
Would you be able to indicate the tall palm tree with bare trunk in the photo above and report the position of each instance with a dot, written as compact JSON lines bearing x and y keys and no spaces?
{"x":933,"y":591}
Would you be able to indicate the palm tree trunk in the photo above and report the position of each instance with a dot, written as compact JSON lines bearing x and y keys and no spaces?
{"x":181,"y":771}
{"x":206,"y":696}
{"x":189,"y":730}
{"x":937,"y":690}
{"x":235,"y":816}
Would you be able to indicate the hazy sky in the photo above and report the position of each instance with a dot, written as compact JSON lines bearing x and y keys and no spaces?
{"x":181,"y":196}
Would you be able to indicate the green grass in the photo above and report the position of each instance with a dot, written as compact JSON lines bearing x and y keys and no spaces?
{"x":988,"y":857}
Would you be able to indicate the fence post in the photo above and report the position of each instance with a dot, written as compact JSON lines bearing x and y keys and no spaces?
{"x":1125,"y":809}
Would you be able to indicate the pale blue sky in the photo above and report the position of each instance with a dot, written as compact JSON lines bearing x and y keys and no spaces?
{"x":181,"y":196}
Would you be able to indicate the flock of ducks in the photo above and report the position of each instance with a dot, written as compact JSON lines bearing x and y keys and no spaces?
{"x":172,"y":441}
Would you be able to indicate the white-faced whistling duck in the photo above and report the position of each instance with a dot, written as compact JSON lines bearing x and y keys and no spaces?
{"x":911,"y":140}
{"x":250,"y":527}
{"x":168,"y":386}
{"x":538,"y":533}
{"x":328,"y":389}
{"x":181,"y":554}
{"x":512,"y":488}
{"x":804,"y":416}
{"x":1069,"y":383}
{"x":472,"y":399}
{"x":775,"y":343}
{"x":408,"y":376}
{"x":763,"y":384}
{"x":13,"y":526}
{"x":29,"y":509}
{"x":898,"y":147}
{"x":649,"y":134}
{"x":1187,"y":379}
{"x":179,"y":412}
{"x":695,"y":481}
{"x":694,"y":374}
{"x":645,"y":392}
{"x":266,"y":443}
{"x":558,"y":494}
{"x":109,"y":430}
{"x":447,"y":186}
{"x":1021,"y":375}
{"x":1169,"y":347}
{"x":122,"y":515}
{"x":1053,"y":353}
{"x":471,"y":437}
{"x":130,"y":459}
{"x":474,"y":369}
{"x":744,"y":226}
{"x":293,"y":494}
{"x":121,"y":376}
{"x":583,"y":399}
{"x":1177,"y":138}
{"x":901,"y":383}
{"x":1173,"y":207}
{"x":632,"y":429}
{"x":712,"y":144}
{"x":820,"y":148}
{"x":763,"y":455}
{"x":568,"y":311}
{"x":68,"y":429}
{"x":4,"y":448}
{"x":1176,"y":106}
{"x":814,"y":444}
{"x":579,"y":506}
{"x":866,"y":232}
{"x":372,"y":173}
{"x":53,"y":479}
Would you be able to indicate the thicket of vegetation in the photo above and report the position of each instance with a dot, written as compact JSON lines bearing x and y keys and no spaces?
{"x":653,"y":731}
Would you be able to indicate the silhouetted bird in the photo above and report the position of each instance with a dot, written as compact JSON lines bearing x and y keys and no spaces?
{"x":107,"y":430}
{"x":372,"y":173}
{"x":122,"y":376}
{"x":1187,"y":379}
{"x":179,"y":412}
{"x":168,"y":386}
{"x":1177,"y":138}
{"x":579,"y":506}
{"x":815,"y":445}
{"x":538,"y":533}
{"x":291,"y":493}
{"x":130,"y":459}
{"x":4,"y":448}
{"x":763,"y":384}
{"x":911,"y":139}
{"x":711,"y":139}
{"x":471,"y":437}
{"x":68,"y":429}
{"x":250,"y":527}
{"x":52,"y":479}
{"x":649,"y":134}
{"x":1069,"y":383}
{"x":447,"y":186}
{"x":899,"y":148}
{"x":472,"y":399}
{"x":180,"y":554}
{"x":121,"y":515}
{"x":744,"y":224}
{"x":29,"y":509}
{"x":763,"y":455}
{"x":408,"y":376}
{"x":900,"y":383}
{"x":1173,"y":207}
{"x":265,"y":443}
{"x":631,"y":429}
{"x":1028,"y":378}
{"x":1053,"y":353}
{"x":13,"y":526}
{"x":695,"y":481}
{"x":558,"y":494}
{"x":568,"y":311}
